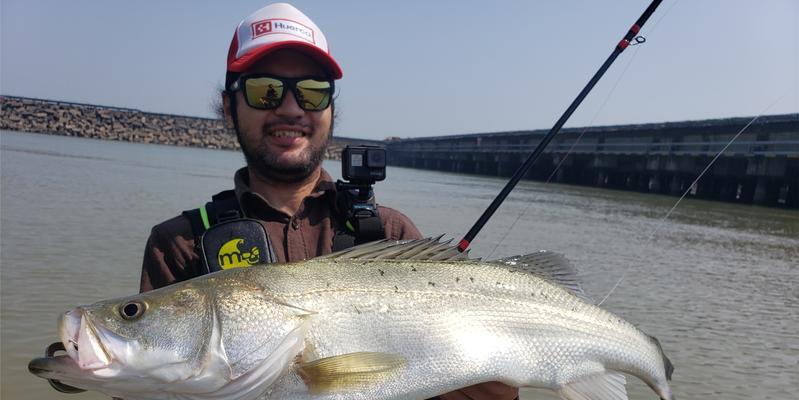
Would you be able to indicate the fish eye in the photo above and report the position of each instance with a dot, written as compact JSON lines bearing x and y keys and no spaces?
{"x":132,"y":310}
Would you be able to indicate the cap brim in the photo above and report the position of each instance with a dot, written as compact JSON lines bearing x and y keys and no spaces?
{"x":324,"y":59}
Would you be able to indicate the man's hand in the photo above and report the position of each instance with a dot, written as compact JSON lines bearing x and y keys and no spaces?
{"x":483,"y":391}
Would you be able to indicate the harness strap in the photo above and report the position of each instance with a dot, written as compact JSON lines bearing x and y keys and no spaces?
{"x":357,"y":225}
{"x":363,"y":230}
{"x":199,"y":222}
{"x":222,"y":207}
{"x":342,"y":240}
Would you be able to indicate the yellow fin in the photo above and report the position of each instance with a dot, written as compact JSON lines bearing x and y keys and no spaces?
{"x":349,"y":371}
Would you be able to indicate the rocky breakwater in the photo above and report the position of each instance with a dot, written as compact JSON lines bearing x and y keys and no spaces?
{"x":98,"y":122}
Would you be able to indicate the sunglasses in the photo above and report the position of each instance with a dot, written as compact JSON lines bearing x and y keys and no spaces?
{"x":264,"y":92}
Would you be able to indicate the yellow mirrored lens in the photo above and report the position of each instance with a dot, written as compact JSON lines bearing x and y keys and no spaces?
{"x":313,"y":94}
{"x":264,"y":92}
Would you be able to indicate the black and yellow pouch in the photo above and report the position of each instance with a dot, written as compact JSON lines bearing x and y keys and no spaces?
{"x":226,"y":238}
{"x":237,"y":243}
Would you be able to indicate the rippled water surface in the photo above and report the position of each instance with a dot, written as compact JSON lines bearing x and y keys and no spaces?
{"x":717,"y":283}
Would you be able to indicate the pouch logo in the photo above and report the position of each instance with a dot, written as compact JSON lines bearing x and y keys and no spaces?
{"x":231,"y":256}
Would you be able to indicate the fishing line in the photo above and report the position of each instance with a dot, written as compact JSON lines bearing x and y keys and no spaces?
{"x":631,"y":35}
{"x":638,"y":40}
{"x":692,"y":185}
{"x":563,"y":159}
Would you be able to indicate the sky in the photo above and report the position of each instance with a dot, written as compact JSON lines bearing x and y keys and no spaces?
{"x":425,"y":68}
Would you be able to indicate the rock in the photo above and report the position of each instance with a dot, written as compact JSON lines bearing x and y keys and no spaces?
{"x":109,"y":123}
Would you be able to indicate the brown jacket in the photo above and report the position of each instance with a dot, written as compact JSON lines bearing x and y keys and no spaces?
{"x":170,"y":254}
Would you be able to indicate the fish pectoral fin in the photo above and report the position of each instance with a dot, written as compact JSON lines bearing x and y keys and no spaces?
{"x":349,"y":371}
{"x":603,"y":386}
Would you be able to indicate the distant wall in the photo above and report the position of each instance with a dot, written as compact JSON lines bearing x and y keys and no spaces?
{"x":97,"y":122}
{"x":761,"y":166}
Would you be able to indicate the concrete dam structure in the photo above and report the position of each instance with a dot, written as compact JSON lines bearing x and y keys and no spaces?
{"x":760,"y":167}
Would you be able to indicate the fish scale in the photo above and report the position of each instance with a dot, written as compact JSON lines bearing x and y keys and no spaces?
{"x":429,"y":286}
{"x":369,"y":324}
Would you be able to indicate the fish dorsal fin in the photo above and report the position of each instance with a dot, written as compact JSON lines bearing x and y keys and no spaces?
{"x":602,"y":386}
{"x":349,"y":371}
{"x":549,"y":265}
{"x":420,"y":249}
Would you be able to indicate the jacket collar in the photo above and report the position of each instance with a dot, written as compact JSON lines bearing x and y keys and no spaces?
{"x":256,"y":205}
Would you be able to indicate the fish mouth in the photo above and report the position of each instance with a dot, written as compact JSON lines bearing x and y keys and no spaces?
{"x":82,"y":340}
{"x":87,"y":357}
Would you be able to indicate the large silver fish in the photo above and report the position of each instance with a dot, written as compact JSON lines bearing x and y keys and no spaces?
{"x":381,"y":321}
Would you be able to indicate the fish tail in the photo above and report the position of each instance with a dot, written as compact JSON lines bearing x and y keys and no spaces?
{"x":668,"y":366}
{"x":663,"y":390}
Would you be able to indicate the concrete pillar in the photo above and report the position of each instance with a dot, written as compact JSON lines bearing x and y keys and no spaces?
{"x":601,"y":177}
{"x":559,"y":175}
{"x":727,"y":191}
{"x":505,"y":169}
{"x":467,"y":167}
{"x":787,"y":196}
{"x":491,"y":168}
{"x":708,"y":188}
{"x":654,"y":184}
{"x":675,"y":187}
{"x":642,"y":182}
{"x":761,"y":192}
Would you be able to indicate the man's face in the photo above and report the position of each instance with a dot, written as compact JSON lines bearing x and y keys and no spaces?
{"x":287,"y":143}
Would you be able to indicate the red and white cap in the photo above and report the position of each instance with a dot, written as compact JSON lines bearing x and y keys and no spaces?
{"x":278,"y":26}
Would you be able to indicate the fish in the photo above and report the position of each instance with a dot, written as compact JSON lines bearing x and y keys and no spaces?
{"x":384,"y":320}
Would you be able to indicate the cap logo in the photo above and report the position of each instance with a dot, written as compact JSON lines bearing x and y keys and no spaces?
{"x":285,"y":26}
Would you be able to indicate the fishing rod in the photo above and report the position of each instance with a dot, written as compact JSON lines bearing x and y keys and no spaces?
{"x":533,"y":157}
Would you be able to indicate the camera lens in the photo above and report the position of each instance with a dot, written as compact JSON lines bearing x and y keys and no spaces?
{"x":376,"y":158}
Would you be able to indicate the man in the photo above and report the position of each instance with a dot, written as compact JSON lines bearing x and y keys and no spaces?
{"x":279,"y":100}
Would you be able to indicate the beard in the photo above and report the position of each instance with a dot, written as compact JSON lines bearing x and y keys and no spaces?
{"x":266,"y":161}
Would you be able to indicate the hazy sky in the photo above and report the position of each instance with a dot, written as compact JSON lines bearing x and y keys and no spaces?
{"x":423,"y":68}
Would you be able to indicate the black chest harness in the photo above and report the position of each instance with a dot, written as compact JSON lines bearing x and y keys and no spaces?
{"x":225,"y":238}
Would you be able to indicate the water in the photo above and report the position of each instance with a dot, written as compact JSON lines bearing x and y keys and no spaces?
{"x":718,"y":284}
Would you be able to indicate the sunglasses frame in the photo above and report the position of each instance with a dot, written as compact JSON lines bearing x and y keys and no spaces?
{"x":288,"y":84}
